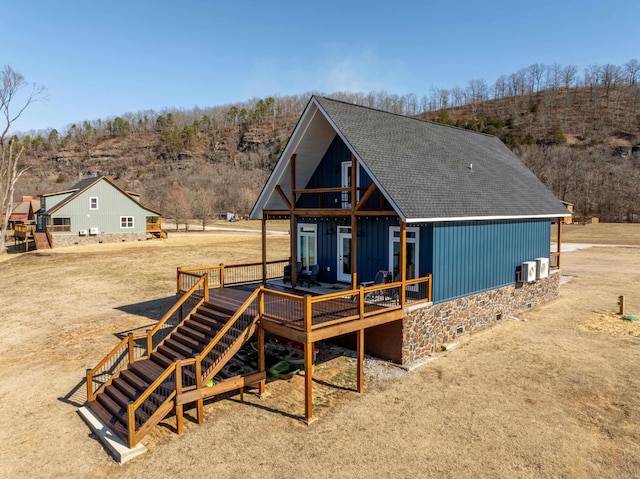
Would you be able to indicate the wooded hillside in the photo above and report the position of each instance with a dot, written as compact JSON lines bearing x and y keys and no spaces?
{"x":579,"y":133}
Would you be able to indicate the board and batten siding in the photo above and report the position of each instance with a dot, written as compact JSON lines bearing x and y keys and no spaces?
{"x":328,"y":174}
{"x":474,"y":256}
{"x":112,"y":205}
{"x":48,"y":202}
{"x":372,"y":243}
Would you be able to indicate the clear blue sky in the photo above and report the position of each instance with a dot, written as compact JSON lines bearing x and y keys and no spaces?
{"x":101,"y":59}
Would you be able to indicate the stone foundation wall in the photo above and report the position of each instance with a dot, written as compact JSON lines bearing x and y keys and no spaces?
{"x":426,"y":329}
{"x":61,"y":241}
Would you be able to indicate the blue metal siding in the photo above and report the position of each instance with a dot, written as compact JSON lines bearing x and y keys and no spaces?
{"x":373,"y":246}
{"x":473,"y":256}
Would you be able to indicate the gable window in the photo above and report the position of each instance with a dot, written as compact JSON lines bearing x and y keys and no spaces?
{"x":126,"y":222}
{"x":345,"y":182}
{"x":93,"y":203}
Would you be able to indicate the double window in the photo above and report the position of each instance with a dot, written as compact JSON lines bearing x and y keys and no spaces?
{"x":126,"y":222}
{"x":93,"y":203}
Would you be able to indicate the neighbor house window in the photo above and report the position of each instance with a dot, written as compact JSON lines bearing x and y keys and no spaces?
{"x":126,"y":222}
{"x":61,"y":224}
{"x":93,"y":203}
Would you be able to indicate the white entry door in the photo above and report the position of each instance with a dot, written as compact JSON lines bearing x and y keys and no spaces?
{"x":344,"y":254}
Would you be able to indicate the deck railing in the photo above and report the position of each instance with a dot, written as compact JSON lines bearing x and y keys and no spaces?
{"x":554,"y":260}
{"x":23,"y":231}
{"x":151,"y":406}
{"x":228,"y":275}
{"x":194,"y":297}
{"x":308,"y":313}
{"x":130,"y":348}
{"x":154,"y":227}
{"x":60,"y":228}
{"x":140,"y":345}
{"x":208,"y":362}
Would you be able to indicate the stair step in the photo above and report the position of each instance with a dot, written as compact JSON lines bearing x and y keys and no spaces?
{"x":218,"y":309}
{"x":117,"y":396}
{"x":194,"y":334}
{"x":189,"y":341}
{"x":117,"y":411}
{"x":181,"y":348}
{"x":139,"y":386}
{"x":135,"y":381}
{"x":169,"y":353}
{"x":125,"y":388}
{"x":147,"y":370}
{"x":112,"y":422}
{"x":159,"y":358}
{"x":213,"y":325}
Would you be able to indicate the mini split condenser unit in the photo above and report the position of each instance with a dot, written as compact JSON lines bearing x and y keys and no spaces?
{"x":542,"y":268}
{"x":93,"y":231}
{"x":82,"y":232}
{"x":528,"y":272}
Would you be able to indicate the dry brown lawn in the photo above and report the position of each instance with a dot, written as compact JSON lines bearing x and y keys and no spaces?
{"x":546,"y":397}
{"x":601,"y":233}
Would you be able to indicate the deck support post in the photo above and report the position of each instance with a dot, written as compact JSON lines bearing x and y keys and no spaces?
{"x":179,"y":419}
{"x":264,"y":249}
{"x":402,"y":262}
{"x":354,"y":223}
{"x":293,"y":229}
{"x":200,"y":410}
{"x":360,"y":354}
{"x":308,"y":382}
{"x":261,"y":359}
{"x":308,"y":360}
{"x":559,"y":240}
{"x":294,"y":251}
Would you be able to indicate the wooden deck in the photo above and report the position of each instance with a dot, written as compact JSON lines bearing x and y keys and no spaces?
{"x":330,"y":318}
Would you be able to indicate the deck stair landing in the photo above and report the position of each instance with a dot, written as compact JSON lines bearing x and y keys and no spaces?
{"x":188,"y":340}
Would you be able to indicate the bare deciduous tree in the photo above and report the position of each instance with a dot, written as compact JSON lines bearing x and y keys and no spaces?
{"x":10,"y":150}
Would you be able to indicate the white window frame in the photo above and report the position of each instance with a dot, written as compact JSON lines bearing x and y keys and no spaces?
{"x":308,"y":233}
{"x":413,"y":236}
{"x":125,"y":223}
{"x":91,"y":207}
{"x":344,"y":183}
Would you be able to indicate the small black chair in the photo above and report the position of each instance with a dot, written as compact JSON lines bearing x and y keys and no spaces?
{"x":310,"y":277}
{"x":286,"y":274}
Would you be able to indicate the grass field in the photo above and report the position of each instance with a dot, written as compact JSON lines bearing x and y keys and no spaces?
{"x":554,"y":394}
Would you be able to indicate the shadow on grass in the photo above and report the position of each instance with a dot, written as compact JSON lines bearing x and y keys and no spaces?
{"x":77,"y":395}
{"x":153,"y":309}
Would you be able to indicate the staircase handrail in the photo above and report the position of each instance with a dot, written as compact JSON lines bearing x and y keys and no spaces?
{"x":128,"y":342}
{"x":148,"y":336}
{"x":216,"y":339}
{"x":202,"y":282}
{"x":133,"y":436}
{"x":49,"y":236}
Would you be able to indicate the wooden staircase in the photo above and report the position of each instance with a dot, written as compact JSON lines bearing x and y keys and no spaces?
{"x":41,"y":240}
{"x":207,"y":324}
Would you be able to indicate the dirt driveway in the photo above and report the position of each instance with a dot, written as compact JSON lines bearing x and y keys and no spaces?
{"x":546,"y":397}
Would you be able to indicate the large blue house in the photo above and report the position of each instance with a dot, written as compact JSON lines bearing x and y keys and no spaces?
{"x":355,"y":181}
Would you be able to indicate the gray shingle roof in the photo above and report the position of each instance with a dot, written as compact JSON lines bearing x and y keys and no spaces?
{"x":430,"y":170}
